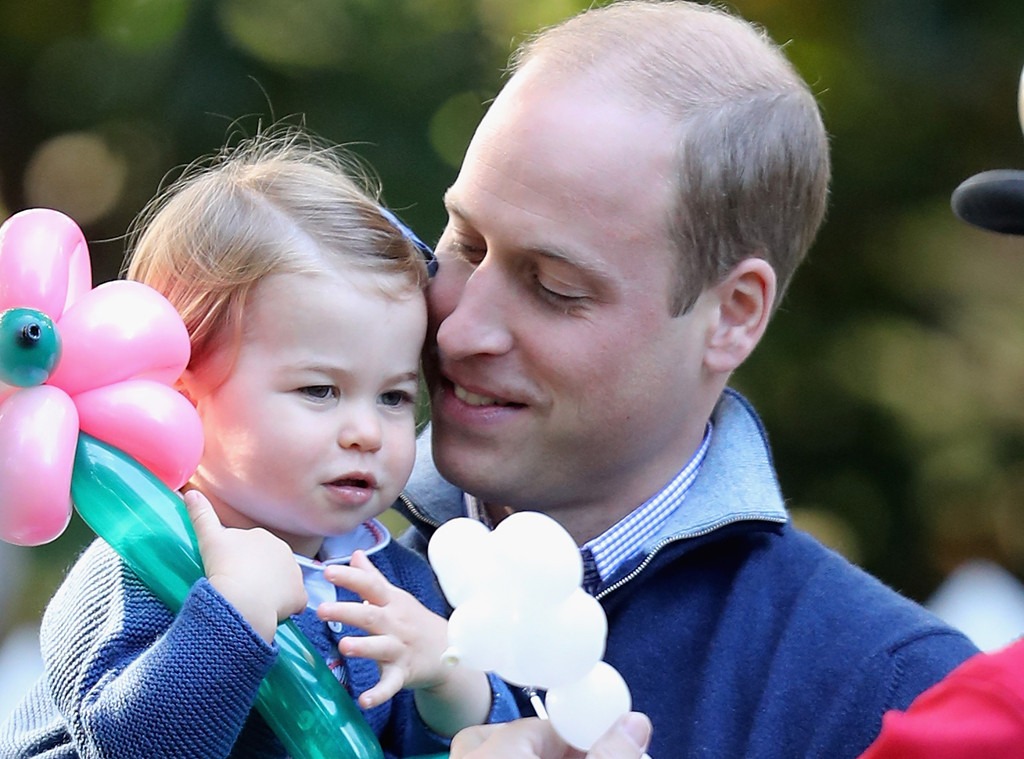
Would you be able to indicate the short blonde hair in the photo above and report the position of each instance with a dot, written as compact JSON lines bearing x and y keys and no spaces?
{"x":280,"y":202}
{"x":753,"y":166}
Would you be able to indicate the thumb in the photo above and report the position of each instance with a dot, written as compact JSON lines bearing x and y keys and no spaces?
{"x":204,"y":519}
{"x":628,"y":737}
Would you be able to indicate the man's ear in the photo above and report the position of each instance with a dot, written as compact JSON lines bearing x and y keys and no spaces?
{"x":744,"y":303}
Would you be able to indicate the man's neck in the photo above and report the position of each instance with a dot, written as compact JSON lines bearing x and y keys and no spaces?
{"x":581,"y":530}
{"x":496,"y":513}
{"x":587,"y":519}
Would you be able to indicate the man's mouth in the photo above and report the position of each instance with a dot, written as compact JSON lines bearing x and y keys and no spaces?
{"x":475,"y":399}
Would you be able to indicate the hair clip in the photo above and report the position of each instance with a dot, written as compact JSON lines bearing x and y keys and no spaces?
{"x":425,"y":250}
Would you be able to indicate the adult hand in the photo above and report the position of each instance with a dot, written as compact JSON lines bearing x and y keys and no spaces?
{"x":534,"y":738}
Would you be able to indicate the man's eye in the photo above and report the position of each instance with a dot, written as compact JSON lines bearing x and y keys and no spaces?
{"x":559,"y":297}
{"x":472,"y":254}
{"x":556,"y":295}
{"x":319,"y":392}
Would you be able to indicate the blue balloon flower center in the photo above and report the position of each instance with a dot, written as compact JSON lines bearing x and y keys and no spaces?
{"x":29,"y":347}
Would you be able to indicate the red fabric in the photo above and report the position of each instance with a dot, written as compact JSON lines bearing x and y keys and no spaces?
{"x":976,"y":711}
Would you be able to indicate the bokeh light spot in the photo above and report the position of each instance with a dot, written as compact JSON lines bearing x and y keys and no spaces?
{"x":290,"y":33}
{"x":452,"y":126}
{"x":140,"y":24}
{"x":75,"y":173}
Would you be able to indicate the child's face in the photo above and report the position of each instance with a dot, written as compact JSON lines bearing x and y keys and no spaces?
{"x":313,"y":431}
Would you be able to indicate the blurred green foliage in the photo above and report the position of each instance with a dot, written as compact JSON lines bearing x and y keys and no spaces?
{"x":890,"y":382}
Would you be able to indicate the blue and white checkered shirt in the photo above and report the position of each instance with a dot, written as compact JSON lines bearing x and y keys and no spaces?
{"x":626,"y":538}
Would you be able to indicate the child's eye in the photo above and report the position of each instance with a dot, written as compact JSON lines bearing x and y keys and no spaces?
{"x":396,"y":398}
{"x":319,"y":392}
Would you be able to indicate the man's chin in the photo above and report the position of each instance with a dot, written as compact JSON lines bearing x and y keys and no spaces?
{"x":468,"y":464}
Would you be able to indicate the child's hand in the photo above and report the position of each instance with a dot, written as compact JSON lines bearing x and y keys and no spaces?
{"x":406,"y":638}
{"x":254,"y":570}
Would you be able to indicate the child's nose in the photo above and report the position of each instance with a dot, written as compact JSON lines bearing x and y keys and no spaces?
{"x":361,"y":429}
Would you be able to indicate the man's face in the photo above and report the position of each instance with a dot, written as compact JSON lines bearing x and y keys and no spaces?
{"x":561,"y":382}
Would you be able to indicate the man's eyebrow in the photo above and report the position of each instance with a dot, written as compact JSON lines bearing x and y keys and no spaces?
{"x":556,"y":254}
{"x":451,"y":205}
{"x":561,"y":256}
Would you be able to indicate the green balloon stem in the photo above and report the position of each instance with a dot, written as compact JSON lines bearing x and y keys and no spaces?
{"x":147,"y":524}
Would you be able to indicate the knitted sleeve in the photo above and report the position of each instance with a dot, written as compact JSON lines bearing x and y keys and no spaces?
{"x":129,"y":679}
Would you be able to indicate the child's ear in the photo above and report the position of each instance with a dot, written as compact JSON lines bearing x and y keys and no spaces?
{"x":185,"y":384}
{"x":205,"y":374}
{"x":744,"y":306}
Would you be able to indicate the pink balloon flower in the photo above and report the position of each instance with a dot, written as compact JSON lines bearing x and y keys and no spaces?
{"x":74,"y":358}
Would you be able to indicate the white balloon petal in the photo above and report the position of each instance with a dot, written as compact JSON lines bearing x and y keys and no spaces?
{"x":554,"y":645}
{"x":546,"y":560}
{"x":479,"y":634}
{"x":463,"y":559}
{"x":583,"y":710}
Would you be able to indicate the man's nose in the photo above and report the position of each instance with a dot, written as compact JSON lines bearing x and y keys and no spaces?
{"x":473,"y":312}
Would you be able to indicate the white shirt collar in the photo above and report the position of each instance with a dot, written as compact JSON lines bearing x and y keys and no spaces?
{"x":369,"y":537}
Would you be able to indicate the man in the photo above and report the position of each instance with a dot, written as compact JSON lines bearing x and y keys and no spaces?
{"x":627,"y":216}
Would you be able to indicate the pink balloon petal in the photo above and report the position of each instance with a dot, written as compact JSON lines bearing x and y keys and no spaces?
{"x":120,"y":330}
{"x":152,"y":423}
{"x":7,"y":390}
{"x":44,"y":262}
{"x":38,"y":436}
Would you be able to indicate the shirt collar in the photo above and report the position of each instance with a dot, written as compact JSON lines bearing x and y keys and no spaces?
{"x":627,"y":537}
{"x":369,"y":537}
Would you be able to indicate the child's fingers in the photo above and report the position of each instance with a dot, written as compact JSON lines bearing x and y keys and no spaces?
{"x":362,"y":578}
{"x":200,"y":511}
{"x":391,"y":682}
{"x":332,"y":611}
{"x":365,"y":616}
{"x":380,"y":648}
{"x":362,"y":561}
